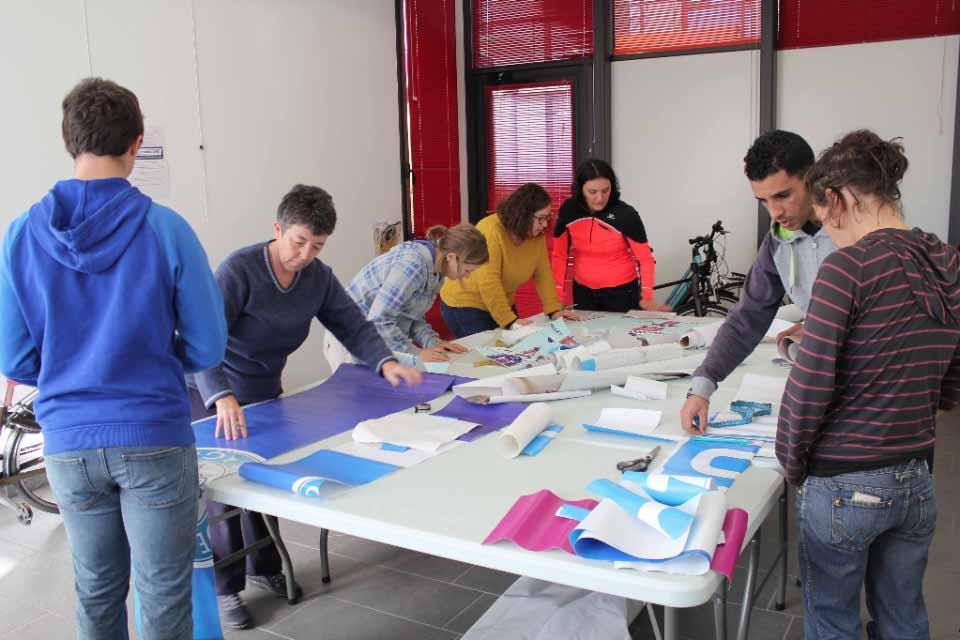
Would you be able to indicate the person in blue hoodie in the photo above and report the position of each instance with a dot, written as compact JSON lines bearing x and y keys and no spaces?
{"x":106,"y":301}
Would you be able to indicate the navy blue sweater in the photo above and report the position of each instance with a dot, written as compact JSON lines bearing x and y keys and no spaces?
{"x":266,"y":323}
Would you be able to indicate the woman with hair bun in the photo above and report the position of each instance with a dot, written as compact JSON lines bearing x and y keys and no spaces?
{"x":396,"y":289}
{"x":878,"y":360}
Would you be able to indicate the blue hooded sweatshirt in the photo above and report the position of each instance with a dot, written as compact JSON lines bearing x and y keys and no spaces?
{"x":106,"y":300}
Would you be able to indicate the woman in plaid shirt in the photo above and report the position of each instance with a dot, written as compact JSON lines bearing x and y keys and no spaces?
{"x":397,"y":288}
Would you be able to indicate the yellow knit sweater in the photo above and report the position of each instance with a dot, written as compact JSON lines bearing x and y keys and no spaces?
{"x":493,"y":286}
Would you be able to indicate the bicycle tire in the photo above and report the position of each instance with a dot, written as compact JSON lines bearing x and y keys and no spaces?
{"x":11,"y":467}
{"x":712,"y":310}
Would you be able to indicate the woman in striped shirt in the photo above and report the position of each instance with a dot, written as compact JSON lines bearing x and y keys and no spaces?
{"x":877,"y":362}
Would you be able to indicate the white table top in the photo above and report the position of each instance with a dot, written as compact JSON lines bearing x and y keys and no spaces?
{"x":447,"y":505}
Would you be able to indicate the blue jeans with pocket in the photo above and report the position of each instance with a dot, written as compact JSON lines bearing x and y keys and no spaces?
{"x":128,"y":506}
{"x":870,"y":528}
{"x":466,"y":321}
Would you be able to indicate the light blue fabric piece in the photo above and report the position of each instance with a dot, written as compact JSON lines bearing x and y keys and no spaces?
{"x":305,"y":476}
{"x":669,"y":520}
{"x":573,"y":512}
{"x":386,"y":446}
{"x":598,"y":429}
{"x":677,"y":491}
{"x":538,"y":444}
{"x":681,"y":462}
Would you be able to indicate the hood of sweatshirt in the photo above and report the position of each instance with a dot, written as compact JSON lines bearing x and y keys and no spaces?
{"x":931,"y":268}
{"x":86,"y":225}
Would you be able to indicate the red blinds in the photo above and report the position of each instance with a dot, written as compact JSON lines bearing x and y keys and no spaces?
{"x":508,"y":32}
{"x":530,"y":139}
{"x":431,"y":101}
{"x":650,"y":26}
{"x":818,"y":23}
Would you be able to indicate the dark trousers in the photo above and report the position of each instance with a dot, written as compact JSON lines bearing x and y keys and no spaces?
{"x":620,"y":299}
{"x":231,"y":535}
{"x":466,"y":321}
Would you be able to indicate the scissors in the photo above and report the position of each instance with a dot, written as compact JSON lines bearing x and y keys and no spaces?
{"x":640,"y":464}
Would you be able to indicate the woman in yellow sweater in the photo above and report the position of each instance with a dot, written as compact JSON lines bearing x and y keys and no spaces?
{"x":518,"y":250}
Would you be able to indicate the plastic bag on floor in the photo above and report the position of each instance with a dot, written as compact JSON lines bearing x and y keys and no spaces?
{"x":537,"y":610}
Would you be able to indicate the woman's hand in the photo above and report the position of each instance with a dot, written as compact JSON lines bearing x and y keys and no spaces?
{"x":451,"y":347}
{"x":395,"y":373}
{"x":230,"y":419}
{"x":652,"y":305}
{"x":433,"y":354}
{"x":568,"y":314}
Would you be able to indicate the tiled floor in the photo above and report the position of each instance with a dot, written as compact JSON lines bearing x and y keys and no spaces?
{"x":381,"y":592}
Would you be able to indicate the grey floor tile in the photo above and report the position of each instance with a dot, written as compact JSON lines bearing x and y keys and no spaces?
{"x":488,"y":580}
{"x":48,"y":627}
{"x":250,"y":634}
{"x":466,"y":618}
{"x":46,"y":533}
{"x":329,"y":618}
{"x":421,"y":599}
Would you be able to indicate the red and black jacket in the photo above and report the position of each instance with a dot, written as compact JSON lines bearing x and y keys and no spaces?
{"x":608,"y":248}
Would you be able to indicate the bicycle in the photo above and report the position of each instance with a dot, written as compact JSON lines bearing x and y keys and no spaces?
{"x":22,"y":473}
{"x":702,"y":290}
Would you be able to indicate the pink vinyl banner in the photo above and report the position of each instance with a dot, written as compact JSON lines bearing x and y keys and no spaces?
{"x":734,"y":528}
{"x":533,"y":524}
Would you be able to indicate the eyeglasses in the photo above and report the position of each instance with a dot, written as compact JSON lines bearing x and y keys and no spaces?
{"x":545,"y":218}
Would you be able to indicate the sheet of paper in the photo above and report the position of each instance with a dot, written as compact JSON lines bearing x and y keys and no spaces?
{"x":548,"y":339}
{"x":759,"y":388}
{"x":652,"y":389}
{"x":790,"y":313}
{"x":705,"y":458}
{"x":777,"y":326}
{"x":419,"y":431}
{"x":511,"y":337}
{"x":667,"y":520}
{"x":150,"y":171}
{"x":540,"y":397}
{"x":528,"y":425}
{"x":638,"y":421}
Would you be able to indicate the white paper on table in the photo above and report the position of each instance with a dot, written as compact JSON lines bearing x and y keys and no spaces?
{"x":604,"y":379}
{"x":759,"y":388}
{"x":404,"y":459}
{"x":613,"y":526}
{"x":527,"y":426}
{"x":511,"y":337}
{"x":647,"y":315}
{"x":638,"y":421}
{"x":567,"y":356}
{"x":420,"y":431}
{"x":619,"y":358}
{"x":641,"y":389}
{"x":526,"y":385}
{"x":705,"y":534}
{"x":701,"y":336}
{"x":493,"y":385}
{"x":790,"y":313}
{"x":776,"y":327}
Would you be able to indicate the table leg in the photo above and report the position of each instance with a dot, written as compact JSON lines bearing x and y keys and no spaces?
{"x":752,"y":564}
{"x":781,"y":602}
{"x":293,"y":594}
{"x":670,"y":629}
{"x":324,"y":558}
{"x":720,"y":611}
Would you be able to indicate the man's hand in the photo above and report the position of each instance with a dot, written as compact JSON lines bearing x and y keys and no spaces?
{"x":567,"y":314}
{"x":395,"y":373}
{"x":230,"y":419}
{"x":653,"y":305}
{"x":433,"y":354}
{"x":452,"y":347}
{"x":694,"y":407}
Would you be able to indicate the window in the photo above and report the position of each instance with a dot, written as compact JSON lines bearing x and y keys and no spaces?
{"x":529,"y":31}
{"x":819,"y":23}
{"x":652,"y":26}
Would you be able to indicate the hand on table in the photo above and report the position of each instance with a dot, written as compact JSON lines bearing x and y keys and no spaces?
{"x":230,"y":419}
{"x":433,"y":354}
{"x":795,"y":332}
{"x":520,"y":322}
{"x":452,"y":347}
{"x":395,"y":373}
{"x":568,"y":314}
{"x":695,"y":407}
{"x":653,"y":305}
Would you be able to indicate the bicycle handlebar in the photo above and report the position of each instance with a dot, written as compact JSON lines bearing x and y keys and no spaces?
{"x":716,"y":229}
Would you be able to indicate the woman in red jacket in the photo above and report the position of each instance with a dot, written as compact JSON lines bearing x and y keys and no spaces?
{"x":604,"y":240}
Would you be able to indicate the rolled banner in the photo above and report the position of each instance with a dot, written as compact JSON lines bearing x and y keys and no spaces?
{"x":526,"y":385}
{"x":641,"y":389}
{"x":524,"y":429}
{"x":627,"y":357}
{"x":701,"y":336}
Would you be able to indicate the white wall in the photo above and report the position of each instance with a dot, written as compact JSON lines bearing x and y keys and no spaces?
{"x":283,"y":91}
{"x":902,"y":88}
{"x":681,"y":126}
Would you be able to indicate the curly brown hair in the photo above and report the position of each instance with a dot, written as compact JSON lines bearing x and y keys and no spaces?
{"x":516,"y":211}
{"x":863,"y":162}
{"x":100,"y":117}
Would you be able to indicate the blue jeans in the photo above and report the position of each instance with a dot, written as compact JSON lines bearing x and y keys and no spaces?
{"x":130,"y":505}
{"x":869,"y":527}
{"x":466,"y":321}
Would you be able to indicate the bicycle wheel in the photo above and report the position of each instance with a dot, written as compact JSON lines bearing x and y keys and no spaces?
{"x":22,"y":453}
{"x":710,"y":311}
